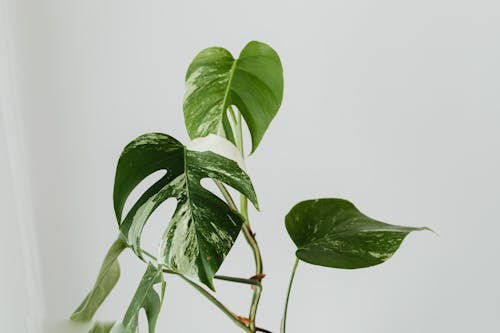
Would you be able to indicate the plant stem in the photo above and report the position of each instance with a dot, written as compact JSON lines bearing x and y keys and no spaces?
{"x":233,"y":116}
{"x":238,"y":280}
{"x":247,"y":230}
{"x":226,"y":195}
{"x":283,"y":321}
{"x":149,"y":255}
{"x":259,"y":329}
{"x":239,"y":131}
{"x":205,"y":293}
{"x":224,"y":278}
{"x":253,"y":307}
{"x":217,"y":303}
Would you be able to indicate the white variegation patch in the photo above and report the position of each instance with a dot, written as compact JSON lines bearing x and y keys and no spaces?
{"x":219,"y":146}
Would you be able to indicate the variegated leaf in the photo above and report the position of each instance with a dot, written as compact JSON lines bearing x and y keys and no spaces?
{"x":203,"y":227}
{"x":144,"y":298}
{"x":334,"y":233}
{"x":215,"y":81}
{"x":106,"y":280}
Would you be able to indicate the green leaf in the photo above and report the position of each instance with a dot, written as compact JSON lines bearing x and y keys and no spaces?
{"x":144,"y":298}
{"x":203,"y":227}
{"x":215,"y":81}
{"x":102,"y":327}
{"x":334,"y":233}
{"x":106,"y":280}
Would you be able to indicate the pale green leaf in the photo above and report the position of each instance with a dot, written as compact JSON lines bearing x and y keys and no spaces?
{"x":215,"y":80}
{"x":144,"y":298}
{"x":203,"y":227}
{"x":102,"y":327}
{"x":334,"y":233}
{"x":106,"y":280}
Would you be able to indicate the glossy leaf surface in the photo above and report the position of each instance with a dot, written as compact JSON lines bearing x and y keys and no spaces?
{"x":203,"y":227}
{"x":334,"y":233}
{"x":144,"y":298}
{"x":106,"y":280}
{"x":215,"y":81}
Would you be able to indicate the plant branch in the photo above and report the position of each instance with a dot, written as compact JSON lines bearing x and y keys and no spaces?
{"x":149,"y":255}
{"x":226,"y":195}
{"x":283,"y":321}
{"x":260,"y":329}
{"x":224,"y":278}
{"x":235,"y":318}
{"x":239,"y":280}
{"x":247,"y":230}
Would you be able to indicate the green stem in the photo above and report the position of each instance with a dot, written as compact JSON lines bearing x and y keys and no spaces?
{"x":226,"y":195}
{"x":224,"y":278}
{"x":239,"y":131}
{"x":283,"y":321}
{"x":253,"y":308}
{"x":205,"y":293}
{"x":247,"y":230}
{"x":239,"y":280}
{"x":149,"y":255}
{"x":233,"y":116}
{"x":218,"y":304}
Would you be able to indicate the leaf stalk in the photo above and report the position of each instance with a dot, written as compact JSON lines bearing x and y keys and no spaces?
{"x":285,"y":310}
{"x":235,"y":318}
{"x":247,"y":230}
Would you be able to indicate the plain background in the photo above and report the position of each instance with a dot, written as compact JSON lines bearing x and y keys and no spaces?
{"x":393,"y":105}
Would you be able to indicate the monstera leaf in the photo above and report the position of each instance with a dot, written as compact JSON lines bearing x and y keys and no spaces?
{"x":145,"y":298}
{"x":334,"y":233}
{"x":215,"y":81}
{"x":203,"y":227}
{"x":106,"y":280}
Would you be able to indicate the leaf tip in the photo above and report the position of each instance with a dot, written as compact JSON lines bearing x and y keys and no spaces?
{"x":428,"y":229}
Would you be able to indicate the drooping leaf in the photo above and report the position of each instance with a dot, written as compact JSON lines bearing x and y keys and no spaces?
{"x":334,"y":233}
{"x":102,"y":327}
{"x":144,"y":298}
{"x":215,"y":81}
{"x":106,"y":280}
{"x":203,"y":227}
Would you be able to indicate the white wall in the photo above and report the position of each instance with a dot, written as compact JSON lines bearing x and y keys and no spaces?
{"x":20,"y":302}
{"x":391,"y":104}
{"x":14,"y":307}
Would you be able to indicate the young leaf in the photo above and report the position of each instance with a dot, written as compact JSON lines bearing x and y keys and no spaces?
{"x":203,"y":227}
{"x":215,"y":81}
{"x":334,"y":233}
{"x":106,"y":280}
{"x":147,"y":298}
{"x":102,"y":327}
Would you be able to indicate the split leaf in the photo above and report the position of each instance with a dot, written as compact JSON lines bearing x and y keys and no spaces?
{"x":203,"y":228}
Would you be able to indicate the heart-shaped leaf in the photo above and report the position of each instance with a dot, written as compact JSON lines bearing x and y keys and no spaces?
{"x":203,"y":227}
{"x":144,"y":298}
{"x":334,"y":233}
{"x":106,"y":280}
{"x":215,"y":81}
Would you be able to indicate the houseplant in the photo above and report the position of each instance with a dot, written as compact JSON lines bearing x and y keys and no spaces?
{"x":222,"y":93}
